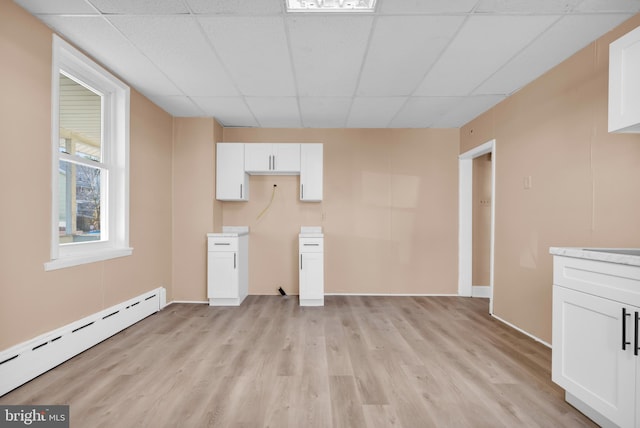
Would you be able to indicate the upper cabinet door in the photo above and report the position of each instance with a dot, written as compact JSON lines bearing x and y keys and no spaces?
{"x":311,"y":172}
{"x":266,"y":158}
{"x":624,"y":83}
{"x":232,"y":183}
{"x":286,"y":158}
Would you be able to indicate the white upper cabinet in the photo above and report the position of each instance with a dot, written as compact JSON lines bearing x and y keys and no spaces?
{"x":624,"y":83}
{"x":232,"y":183}
{"x":266,"y":158}
{"x":311,"y":172}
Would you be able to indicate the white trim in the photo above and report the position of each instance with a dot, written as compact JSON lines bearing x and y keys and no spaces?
{"x":465,"y":218}
{"x":195,"y":302}
{"x":481,"y":291}
{"x":114,"y":163}
{"x":88,"y":257}
{"x":23,"y":362}
{"x":537,"y":339}
{"x":391,"y":294}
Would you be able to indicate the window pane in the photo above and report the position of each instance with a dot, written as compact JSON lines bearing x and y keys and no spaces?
{"x":80,"y":120}
{"x":79,"y":218}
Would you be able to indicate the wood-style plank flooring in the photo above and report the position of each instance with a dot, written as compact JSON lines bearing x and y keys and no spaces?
{"x":356,"y":362}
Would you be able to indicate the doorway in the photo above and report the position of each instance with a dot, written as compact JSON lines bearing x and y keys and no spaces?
{"x":465,"y":219}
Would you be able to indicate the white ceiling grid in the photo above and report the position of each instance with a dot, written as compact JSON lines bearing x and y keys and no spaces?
{"x":412,"y":63}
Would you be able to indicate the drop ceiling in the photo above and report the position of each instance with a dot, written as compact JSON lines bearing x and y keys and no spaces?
{"x":410,"y":64}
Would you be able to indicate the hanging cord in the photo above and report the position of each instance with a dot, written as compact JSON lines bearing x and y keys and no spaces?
{"x":273,"y":194}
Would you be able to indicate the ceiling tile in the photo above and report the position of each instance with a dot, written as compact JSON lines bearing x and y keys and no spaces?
{"x":275,"y":112}
{"x":374,"y":112}
{"x":327,"y":52}
{"x":631,"y":6}
{"x":468,"y":109}
{"x":563,"y":39}
{"x":178,"y":47}
{"x":177,"y":105}
{"x":423,"y":6}
{"x":254,"y":49}
{"x":423,"y":112}
{"x":324,"y":112}
{"x":104,"y":43}
{"x":526,"y":6}
{"x":235,"y":7}
{"x":57,"y":7}
{"x":147,"y":7}
{"x":229,"y":111}
{"x":483,"y":45}
{"x":401,"y":51}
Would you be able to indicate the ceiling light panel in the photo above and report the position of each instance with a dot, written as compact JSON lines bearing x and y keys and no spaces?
{"x":331,"y":5}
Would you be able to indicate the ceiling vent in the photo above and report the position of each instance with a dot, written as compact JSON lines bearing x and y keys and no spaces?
{"x":331,"y":5}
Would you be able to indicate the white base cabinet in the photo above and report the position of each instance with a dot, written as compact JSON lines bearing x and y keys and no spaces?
{"x":228,"y":267}
{"x":311,"y":268}
{"x":595,"y":338}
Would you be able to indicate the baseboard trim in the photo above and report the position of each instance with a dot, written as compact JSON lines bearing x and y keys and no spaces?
{"x":537,"y":339}
{"x":23,"y":362}
{"x":195,"y":302}
{"x":481,"y":291}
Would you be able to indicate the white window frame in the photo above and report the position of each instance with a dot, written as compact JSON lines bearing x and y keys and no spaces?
{"x":115,"y":143}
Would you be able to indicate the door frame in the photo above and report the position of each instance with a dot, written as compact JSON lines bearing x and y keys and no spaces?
{"x":465,"y":218}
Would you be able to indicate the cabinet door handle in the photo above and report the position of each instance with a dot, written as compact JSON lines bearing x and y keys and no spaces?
{"x":222,"y":243}
{"x":300,"y":261}
{"x":624,"y":329}
{"x":635,"y":347}
{"x":240,"y":191}
{"x":310,"y":245}
{"x":274,"y":162}
{"x":302,"y":191}
{"x":234,"y":260}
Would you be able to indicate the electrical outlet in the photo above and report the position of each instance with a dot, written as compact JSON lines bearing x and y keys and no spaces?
{"x":527,"y":182}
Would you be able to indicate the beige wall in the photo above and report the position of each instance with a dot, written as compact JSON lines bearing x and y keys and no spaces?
{"x":195,"y":210}
{"x":481,"y":220}
{"x":585,"y":181}
{"x":34,"y":301}
{"x":389,"y":212}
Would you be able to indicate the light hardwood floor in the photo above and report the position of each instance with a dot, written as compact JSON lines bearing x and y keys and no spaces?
{"x":356,"y":362}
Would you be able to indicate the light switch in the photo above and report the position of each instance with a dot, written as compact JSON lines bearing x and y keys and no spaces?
{"x":528,"y":182}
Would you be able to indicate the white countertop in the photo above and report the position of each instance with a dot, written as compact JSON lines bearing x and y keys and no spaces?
{"x":230,"y":232}
{"x":311,"y":232}
{"x":611,"y":255}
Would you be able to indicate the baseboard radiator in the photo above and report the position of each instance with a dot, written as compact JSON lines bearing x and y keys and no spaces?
{"x":21,"y":363}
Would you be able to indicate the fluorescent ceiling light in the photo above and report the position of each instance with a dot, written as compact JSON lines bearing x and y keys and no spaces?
{"x":331,"y":5}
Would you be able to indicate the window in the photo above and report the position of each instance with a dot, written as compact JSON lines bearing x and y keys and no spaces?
{"x":90,"y":168}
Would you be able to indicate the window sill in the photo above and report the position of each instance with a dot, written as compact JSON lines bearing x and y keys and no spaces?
{"x":92,"y":257}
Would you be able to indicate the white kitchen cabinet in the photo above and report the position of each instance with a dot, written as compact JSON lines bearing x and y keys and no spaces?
{"x":624,"y":83}
{"x":595,"y":338}
{"x":311,"y":268}
{"x":232,"y":182}
{"x":228,"y":267}
{"x":267,"y":158}
{"x":311,"y":163}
